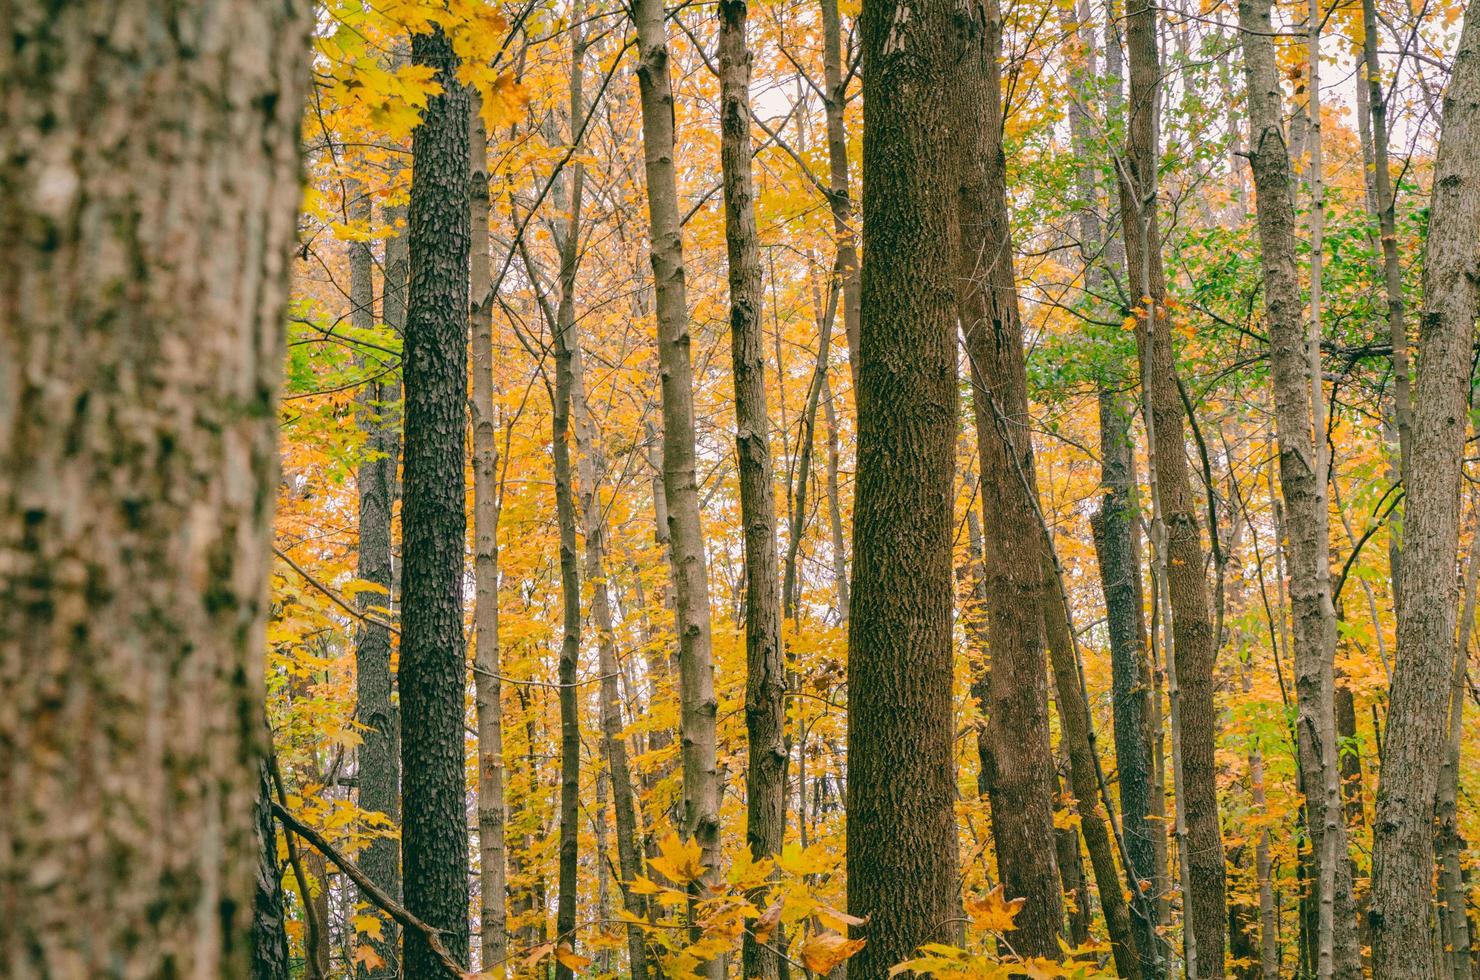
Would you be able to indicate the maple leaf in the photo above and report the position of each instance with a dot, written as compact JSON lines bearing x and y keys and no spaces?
{"x":570,"y":958}
{"x":367,"y":957}
{"x":679,"y":861}
{"x":994,"y":913}
{"x":768,"y":921}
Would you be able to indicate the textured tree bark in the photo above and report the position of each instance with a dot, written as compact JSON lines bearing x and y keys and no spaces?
{"x":1020,"y":781}
{"x":840,"y":197}
{"x":1403,"y":846}
{"x":148,"y":185}
{"x":902,"y":844}
{"x":765,"y":684}
{"x":1176,"y":528}
{"x":568,"y":240}
{"x":379,"y":754}
{"x":697,"y":704}
{"x":434,"y":838}
{"x":493,"y":929}
{"x":269,"y":934}
{"x":1303,"y":487}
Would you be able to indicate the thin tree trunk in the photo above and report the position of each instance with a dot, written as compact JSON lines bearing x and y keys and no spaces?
{"x":834,"y":505}
{"x":697,"y":704}
{"x":568,"y":240}
{"x":488,"y":690}
{"x":434,"y":838}
{"x":840,"y":200}
{"x":1453,"y":894}
{"x":1418,"y":713}
{"x":1299,"y":416}
{"x":1392,"y":272}
{"x":1176,"y":528}
{"x":765,"y":685}
{"x":379,"y":753}
{"x":901,"y":823}
{"x":148,"y":180}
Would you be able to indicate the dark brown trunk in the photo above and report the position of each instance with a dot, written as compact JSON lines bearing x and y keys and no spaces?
{"x":434,"y":837}
{"x":901,"y":824}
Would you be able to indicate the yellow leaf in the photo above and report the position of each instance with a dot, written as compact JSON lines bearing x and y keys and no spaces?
{"x":368,"y":925}
{"x":570,"y":958}
{"x":826,"y":950}
{"x":994,"y":913}
{"x":679,"y":861}
{"x":367,"y":957}
{"x":766,"y":924}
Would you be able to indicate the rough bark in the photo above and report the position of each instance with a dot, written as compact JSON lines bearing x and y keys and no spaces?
{"x":568,"y":239}
{"x":269,"y":934}
{"x":1020,"y":757}
{"x":434,"y":837}
{"x":697,"y":704}
{"x":378,"y":754}
{"x":901,"y":825}
{"x":148,"y":185}
{"x":765,"y":684}
{"x":835,"y":505}
{"x":1294,"y":358}
{"x":1176,"y":528}
{"x":1403,"y":847}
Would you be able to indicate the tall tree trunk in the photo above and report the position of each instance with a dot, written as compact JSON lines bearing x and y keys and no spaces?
{"x":1294,"y":366}
{"x":1418,"y":713}
{"x":765,"y":684}
{"x":434,"y":838}
{"x":493,"y":938}
{"x":1176,"y":528}
{"x":379,"y":755}
{"x":148,"y":180}
{"x":840,"y":199}
{"x":901,"y":824}
{"x":697,"y":704}
{"x":1019,"y":782}
{"x":568,"y":240}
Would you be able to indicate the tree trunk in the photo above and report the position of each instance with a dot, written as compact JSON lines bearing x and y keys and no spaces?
{"x":493,"y":938}
{"x":568,"y":240}
{"x":901,"y":823}
{"x":269,"y":935}
{"x":1176,"y":528}
{"x":1453,"y":894}
{"x":765,"y":685}
{"x":839,"y":199}
{"x":1294,"y":367}
{"x":378,"y":754}
{"x":697,"y":704}
{"x":1019,"y":782}
{"x":148,"y":184}
{"x":835,"y":505}
{"x":1418,"y":713}
{"x":434,"y":838}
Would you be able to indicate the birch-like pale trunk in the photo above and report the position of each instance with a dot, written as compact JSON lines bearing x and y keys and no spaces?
{"x":697,"y":704}
{"x":1300,"y":424}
